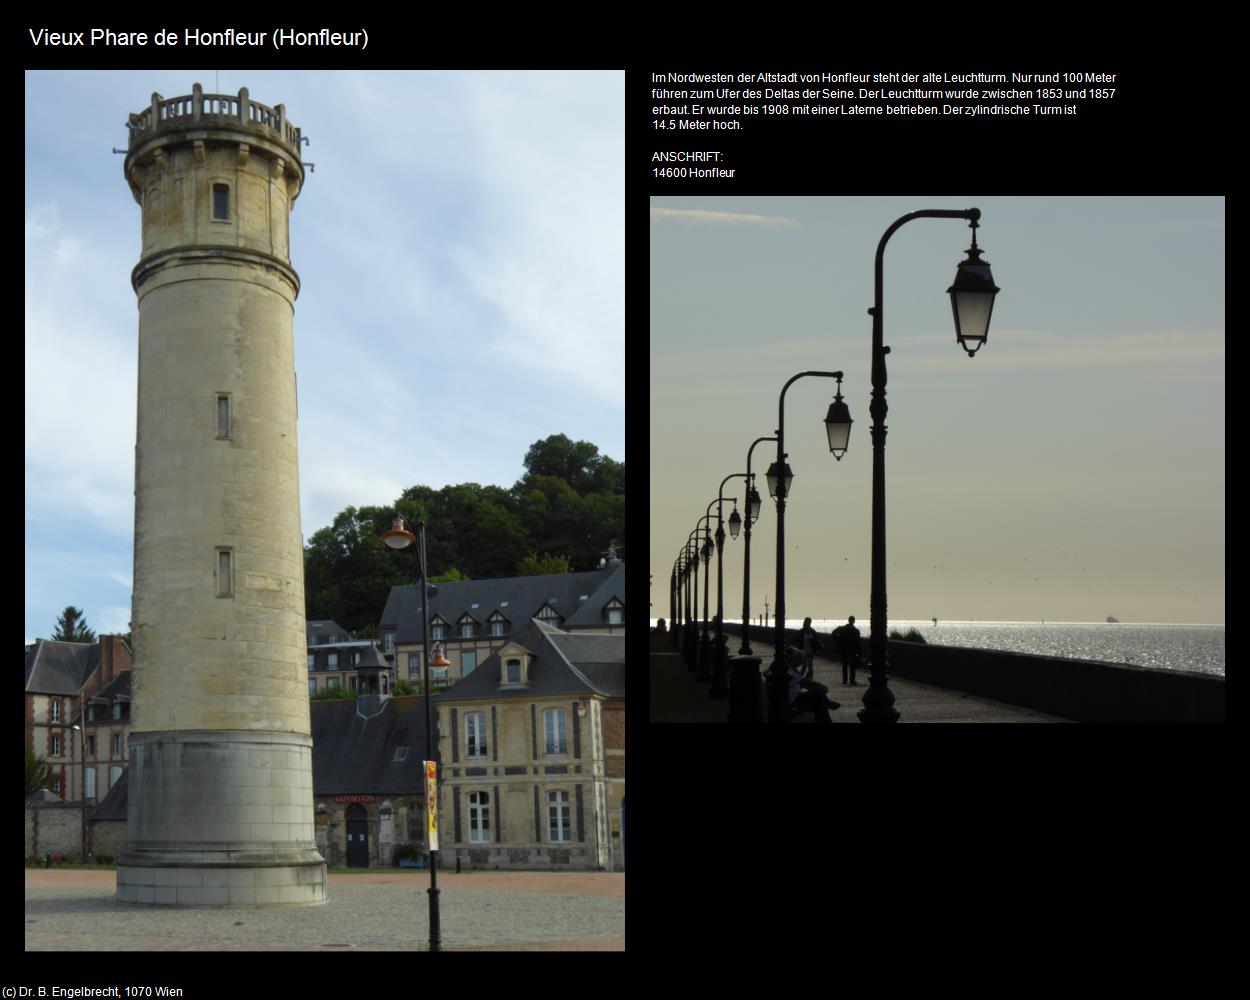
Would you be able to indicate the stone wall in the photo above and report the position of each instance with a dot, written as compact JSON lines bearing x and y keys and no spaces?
{"x":1081,"y":690}
{"x":53,"y":826}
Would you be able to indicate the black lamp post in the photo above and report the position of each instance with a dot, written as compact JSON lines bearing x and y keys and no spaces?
{"x":705,"y":642}
{"x":690,"y":645}
{"x":400,"y":538}
{"x":81,"y":727}
{"x":972,"y":301}
{"x":720,"y":651}
{"x":753,"y":515}
{"x":838,"y":429}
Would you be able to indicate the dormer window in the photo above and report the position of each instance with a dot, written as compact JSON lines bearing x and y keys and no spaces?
{"x":614,"y":612}
{"x":498,"y":624}
{"x":438,"y":632}
{"x":466,"y":630}
{"x":513,"y":671}
{"x":513,"y":666}
{"x":496,"y":628}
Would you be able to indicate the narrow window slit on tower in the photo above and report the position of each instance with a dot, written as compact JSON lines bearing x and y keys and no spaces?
{"x":221,"y":202}
{"x":223,"y":416}
{"x":224,"y":567}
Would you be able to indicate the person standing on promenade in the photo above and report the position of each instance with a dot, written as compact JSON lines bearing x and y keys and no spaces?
{"x":847,"y":638}
{"x":810,"y":645}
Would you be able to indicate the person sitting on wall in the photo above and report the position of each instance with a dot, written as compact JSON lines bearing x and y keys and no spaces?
{"x":807,"y":695}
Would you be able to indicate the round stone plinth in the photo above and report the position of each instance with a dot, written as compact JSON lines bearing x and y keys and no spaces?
{"x":220,"y":819}
{"x":217,"y":885}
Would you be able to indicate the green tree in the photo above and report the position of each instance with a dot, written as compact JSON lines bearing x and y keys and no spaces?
{"x":72,"y":627}
{"x":532,"y":565}
{"x":578,"y":463}
{"x":36,"y":771}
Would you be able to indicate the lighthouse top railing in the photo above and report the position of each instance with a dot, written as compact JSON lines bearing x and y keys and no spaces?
{"x":212,"y":109}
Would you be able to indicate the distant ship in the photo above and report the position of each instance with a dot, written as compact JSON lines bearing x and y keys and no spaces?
{"x":1111,"y":620}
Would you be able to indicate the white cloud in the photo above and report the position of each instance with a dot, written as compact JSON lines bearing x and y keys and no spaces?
{"x":702,"y":215}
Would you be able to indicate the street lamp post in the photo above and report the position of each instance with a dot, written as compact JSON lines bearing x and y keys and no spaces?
{"x":400,"y":538}
{"x":720,"y":652}
{"x":838,"y":429}
{"x":744,"y":680}
{"x":690,"y":645}
{"x":81,"y":728}
{"x":972,"y":301}
{"x":705,"y":642}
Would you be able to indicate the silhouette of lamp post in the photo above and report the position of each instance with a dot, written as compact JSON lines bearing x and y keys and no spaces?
{"x":720,"y":652}
{"x":744,"y":679}
{"x":972,"y":301}
{"x":705,"y":642}
{"x":81,"y":728}
{"x":690,"y":645}
{"x":399,"y":537}
{"x":838,"y":429}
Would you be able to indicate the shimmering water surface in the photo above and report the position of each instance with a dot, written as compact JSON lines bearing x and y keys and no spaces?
{"x":1199,"y":648}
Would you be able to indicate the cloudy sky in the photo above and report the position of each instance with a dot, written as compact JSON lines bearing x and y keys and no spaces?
{"x":1073,"y":469}
{"x":460,"y":246}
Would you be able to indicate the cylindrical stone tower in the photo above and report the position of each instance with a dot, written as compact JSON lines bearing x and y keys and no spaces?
{"x":220,"y":807}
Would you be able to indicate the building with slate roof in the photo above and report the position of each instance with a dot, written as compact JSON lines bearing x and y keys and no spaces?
{"x":532,"y":745}
{"x":367,"y":779}
{"x":59,"y":676}
{"x":333,"y":656}
{"x":474,"y":618}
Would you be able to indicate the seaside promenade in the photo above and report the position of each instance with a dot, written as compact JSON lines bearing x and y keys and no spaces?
{"x":677,"y":697}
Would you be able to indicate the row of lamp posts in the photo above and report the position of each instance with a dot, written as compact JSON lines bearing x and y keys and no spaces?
{"x":972,"y":301}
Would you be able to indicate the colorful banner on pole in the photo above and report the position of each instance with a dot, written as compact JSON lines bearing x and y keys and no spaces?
{"x":431,"y":805}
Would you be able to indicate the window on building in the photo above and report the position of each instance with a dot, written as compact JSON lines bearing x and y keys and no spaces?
{"x":475,"y":734}
{"x":555,"y":725}
{"x":90,"y":746}
{"x":558,"y":817}
{"x":55,"y":711}
{"x":55,"y":750}
{"x":56,"y":786}
{"x":312,"y":685}
{"x":89,"y":778}
{"x":355,"y":659}
{"x":332,"y":682}
{"x":438,"y":677}
{"x":117,"y":710}
{"x":466,"y":630}
{"x":114,"y":774}
{"x":479,"y":818}
{"x":223,"y":416}
{"x":496,"y":628}
{"x":332,"y":660}
{"x":312,"y":662}
{"x":117,"y":744}
{"x":90,"y":713}
{"x":351,"y":682}
{"x":388,"y":642}
{"x":514,"y":671}
{"x":438,"y":632}
{"x":224,"y":573}
{"x":615,"y":616}
{"x":468,"y":663}
{"x":221,"y":202}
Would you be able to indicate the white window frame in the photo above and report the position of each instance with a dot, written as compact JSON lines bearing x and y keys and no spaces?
{"x":388,"y":642}
{"x":438,"y":632}
{"x":312,"y":661}
{"x":616,"y":616}
{"x":559,"y":816}
{"x":475,"y":735}
{"x":332,"y":660}
{"x":556,"y":736}
{"x":55,"y":711}
{"x":467,"y":630}
{"x":496,"y":628}
{"x":56,"y":746}
{"x":89,"y":783}
{"x":117,"y":711}
{"x":117,"y":744}
{"x":479,"y":818}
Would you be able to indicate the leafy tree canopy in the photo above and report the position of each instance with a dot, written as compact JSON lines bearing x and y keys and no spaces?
{"x":532,"y":565}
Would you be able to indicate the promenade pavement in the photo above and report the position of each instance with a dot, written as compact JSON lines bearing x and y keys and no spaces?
{"x":677,"y":697}
{"x":382,"y":910}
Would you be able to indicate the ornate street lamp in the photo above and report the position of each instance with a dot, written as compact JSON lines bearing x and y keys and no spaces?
{"x":972,"y":300}
{"x":837,"y":429}
{"x":744,"y":680}
{"x":399,"y":537}
{"x":735,"y":522}
{"x":720,"y":650}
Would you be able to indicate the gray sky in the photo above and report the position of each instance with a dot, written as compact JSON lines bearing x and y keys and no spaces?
{"x":461,"y":250}
{"x":1073,"y":469}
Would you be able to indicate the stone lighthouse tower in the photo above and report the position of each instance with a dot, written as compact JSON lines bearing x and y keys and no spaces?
{"x":220,"y":808}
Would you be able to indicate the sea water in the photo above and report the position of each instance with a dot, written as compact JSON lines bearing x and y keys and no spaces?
{"x":1199,"y":648}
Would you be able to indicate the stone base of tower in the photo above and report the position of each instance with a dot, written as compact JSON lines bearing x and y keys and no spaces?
{"x":220,"y":819}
